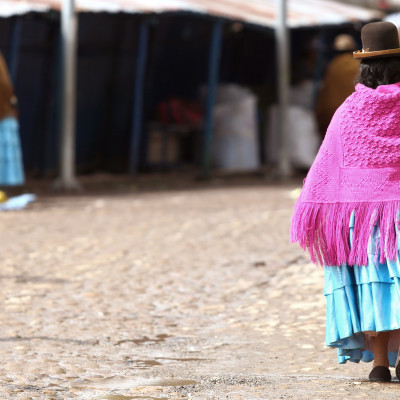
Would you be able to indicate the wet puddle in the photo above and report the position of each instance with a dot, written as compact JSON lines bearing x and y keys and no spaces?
{"x":120,"y":397}
{"x":114,"y":383}
{"x":171,"y":382}
{"x":143,"y":340}
{"x":181,"y":359}
{"x":143,"y":364}
{"x":148,"y":383}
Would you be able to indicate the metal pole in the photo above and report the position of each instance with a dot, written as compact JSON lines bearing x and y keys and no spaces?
{"x":14,"y":49}
{"x":137,"y":114}
{"x":283,"y":68}
{"x":69,"y":24}
{"x":318,"y":71}
{"x":213,"y":72}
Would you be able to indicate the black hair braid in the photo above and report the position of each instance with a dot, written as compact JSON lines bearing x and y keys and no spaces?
{"x":379,"y":71}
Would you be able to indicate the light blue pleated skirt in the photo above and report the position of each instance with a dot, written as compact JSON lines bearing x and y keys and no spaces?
{"x":361,"y":300}
{"x":11,"y":166}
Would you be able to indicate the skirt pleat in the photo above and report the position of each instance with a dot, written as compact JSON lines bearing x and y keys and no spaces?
{"x":360,"y":302}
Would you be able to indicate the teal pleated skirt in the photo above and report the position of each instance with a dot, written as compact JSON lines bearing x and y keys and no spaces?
{"x":360,"y":302}
{"x":11,"y":166}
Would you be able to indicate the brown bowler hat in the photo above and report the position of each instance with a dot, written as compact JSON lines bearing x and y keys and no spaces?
{"x":379,"y":40}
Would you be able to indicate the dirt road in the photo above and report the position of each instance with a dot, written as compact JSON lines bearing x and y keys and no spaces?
{"x":181,"y":294}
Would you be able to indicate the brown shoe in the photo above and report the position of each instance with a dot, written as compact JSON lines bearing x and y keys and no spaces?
{"x":380,"y":374}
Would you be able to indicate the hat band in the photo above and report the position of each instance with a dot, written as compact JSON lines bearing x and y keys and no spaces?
{"x":367,"y":53}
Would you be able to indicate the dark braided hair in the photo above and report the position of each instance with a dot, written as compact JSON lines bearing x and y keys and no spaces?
{"x":379,"y":71}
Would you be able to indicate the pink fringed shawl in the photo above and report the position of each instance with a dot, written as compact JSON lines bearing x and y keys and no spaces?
{"x":357,"y":169}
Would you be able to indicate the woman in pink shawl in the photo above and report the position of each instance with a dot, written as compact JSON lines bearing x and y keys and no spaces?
{"x":347,"y":215}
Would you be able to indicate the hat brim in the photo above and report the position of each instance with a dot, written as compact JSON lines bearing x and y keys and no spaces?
{"x":376,"y":54}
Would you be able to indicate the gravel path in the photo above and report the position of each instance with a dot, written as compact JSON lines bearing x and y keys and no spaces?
{"x":181,"y":294}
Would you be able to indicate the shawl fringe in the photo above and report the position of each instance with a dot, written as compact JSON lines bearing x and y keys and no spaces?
{"x":323,"y":230}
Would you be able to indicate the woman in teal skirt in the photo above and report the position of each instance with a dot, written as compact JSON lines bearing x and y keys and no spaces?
{"x":348,"y":213}
{"x":11,"y":165}
{"x":363,"y":309}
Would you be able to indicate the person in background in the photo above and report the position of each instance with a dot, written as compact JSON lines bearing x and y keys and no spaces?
{"x":338,"y":82}
{"x":11,"y":165}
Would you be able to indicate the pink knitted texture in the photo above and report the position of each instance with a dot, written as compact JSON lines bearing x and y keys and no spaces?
{"x":357,"y":169}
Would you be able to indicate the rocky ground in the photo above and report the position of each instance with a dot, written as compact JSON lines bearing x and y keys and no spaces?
{"x":186,"y":293}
